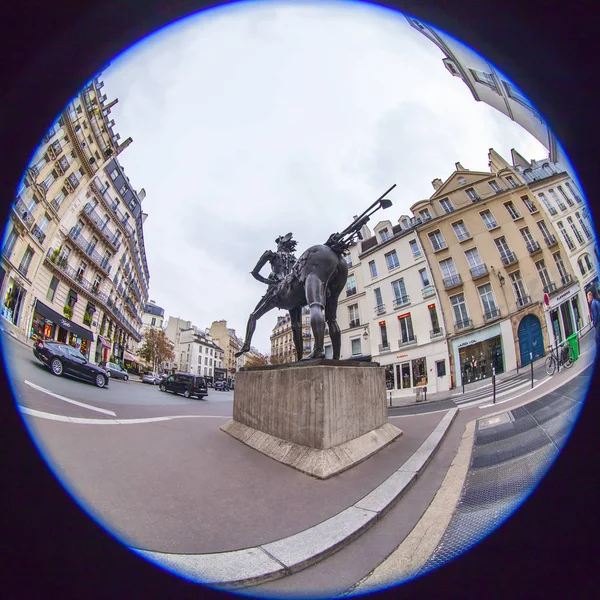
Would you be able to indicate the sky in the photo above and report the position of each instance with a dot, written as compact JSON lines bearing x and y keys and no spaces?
{"x":256,"y":119}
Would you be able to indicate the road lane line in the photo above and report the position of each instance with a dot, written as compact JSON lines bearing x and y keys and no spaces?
{"x":69,"y":400}
{"x":431,"y":412}
{"x":474,"y":403}
{"x":83,"y":421}
{"x":518,"y":395}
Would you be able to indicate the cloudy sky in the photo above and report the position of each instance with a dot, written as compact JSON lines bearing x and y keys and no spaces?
{"x":257,"y":119}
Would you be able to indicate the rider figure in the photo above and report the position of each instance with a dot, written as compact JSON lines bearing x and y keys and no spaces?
{"x":281,"y":261}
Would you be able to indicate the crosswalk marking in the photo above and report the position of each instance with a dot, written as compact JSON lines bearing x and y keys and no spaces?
{"x":488,"y":397}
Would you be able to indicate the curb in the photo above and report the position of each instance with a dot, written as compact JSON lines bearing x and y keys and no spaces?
{"x":274,"y":560}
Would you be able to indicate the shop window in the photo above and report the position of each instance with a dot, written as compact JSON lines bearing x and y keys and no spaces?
{"x":440,"y":367}
{"x":403,"y":375}
{"x":26,"y":261}
{"x":52,"y":288}
{"x":356,"y":348}
{"x":419,"y":369}
{"x":389,"y":377}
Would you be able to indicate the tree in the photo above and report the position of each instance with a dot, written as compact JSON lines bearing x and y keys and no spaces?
{"x":279,"y":359}
{"x":256,"y":361}
{"x":156,"y":348}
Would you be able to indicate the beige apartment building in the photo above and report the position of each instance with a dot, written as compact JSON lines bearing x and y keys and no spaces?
{"x":73,"y":259}
{"x":227,"y":340}
{"x":495,"y":259}
{"x":283,"y":349}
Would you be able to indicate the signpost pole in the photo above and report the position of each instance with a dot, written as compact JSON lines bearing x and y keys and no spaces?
{"x":531,"y":363}
{"x":494,"y":383}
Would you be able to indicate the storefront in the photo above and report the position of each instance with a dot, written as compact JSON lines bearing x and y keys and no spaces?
{"x":102,"y":349}
{"x":14,"y":301}
{"x":478,"y":353}
{"x":131,"y":362}
{"x":49,"y":324}
{"x":564,"y":313}
{"x":220,"y":374}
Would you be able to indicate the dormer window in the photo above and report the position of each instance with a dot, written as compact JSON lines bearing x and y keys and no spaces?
{"x":462,"y":180}
{"x":494,"y":185}
{"x":425,"y":215}
{"x":446,"y":205}
{"x":384,"y":234}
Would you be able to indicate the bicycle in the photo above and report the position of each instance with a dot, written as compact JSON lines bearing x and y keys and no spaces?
{"x":566,"y":359}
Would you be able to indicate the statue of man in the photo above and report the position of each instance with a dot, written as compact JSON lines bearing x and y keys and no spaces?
{"x":282,"y":261}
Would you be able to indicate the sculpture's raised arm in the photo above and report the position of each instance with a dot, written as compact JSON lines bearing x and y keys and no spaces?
{"x":267,"y":256}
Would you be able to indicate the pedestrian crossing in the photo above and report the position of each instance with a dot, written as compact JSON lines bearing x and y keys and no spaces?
{"x":484,"y":392}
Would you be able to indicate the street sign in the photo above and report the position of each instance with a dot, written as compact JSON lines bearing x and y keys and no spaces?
{"x":546,"y":300}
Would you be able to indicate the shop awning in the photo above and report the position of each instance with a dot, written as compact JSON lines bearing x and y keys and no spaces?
{"x":63,"y":322}
{"x":104,"y":341}
{"x":130,"y":357}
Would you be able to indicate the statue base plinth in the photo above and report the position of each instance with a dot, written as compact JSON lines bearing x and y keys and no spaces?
{"x":320,"y":416}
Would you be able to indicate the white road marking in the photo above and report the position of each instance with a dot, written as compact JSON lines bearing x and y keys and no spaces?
{"x":52,"y":417}
{"x":475,"y":403}
{"x":517,"y":396}
{"x":432,"y":412}
{"x":69,"y":400}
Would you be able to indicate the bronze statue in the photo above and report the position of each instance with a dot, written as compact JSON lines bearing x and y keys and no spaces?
{"x":316,"y":279}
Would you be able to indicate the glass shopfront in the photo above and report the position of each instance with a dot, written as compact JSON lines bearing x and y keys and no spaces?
{"x":408,"y":374}
{"x":477,"y":359}
{"x":13,"y":302}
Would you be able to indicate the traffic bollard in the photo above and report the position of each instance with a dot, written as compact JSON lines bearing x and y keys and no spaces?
{"x":494,"y":383}
{"x":462,"y":376}
{"x":390,"y":399}
{"x":557,"y":358}
{"x":531,"y":363}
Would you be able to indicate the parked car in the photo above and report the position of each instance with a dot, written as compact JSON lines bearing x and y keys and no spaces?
{"x":150,"y":377}
{"x":222,"y":386}
{"x":186,"y":384}
{"x":114,"y":370}
{"x":63,"y":359}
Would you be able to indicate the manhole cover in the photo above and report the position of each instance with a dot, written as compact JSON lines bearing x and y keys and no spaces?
{"x":495,"y":421}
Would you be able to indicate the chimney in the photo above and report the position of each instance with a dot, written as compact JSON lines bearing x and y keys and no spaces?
{"x":124,"y":145}
{"x":144,"y":217}
{"x":142,"y":194}
{"x":437,"y":183}
{"x":459,"y":167}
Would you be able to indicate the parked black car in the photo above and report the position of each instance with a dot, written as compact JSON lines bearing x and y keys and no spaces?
{"x":63,"y":359}
{"x":222,"y":386}
{"x":114,"y":370}
{"x":186,"y":384}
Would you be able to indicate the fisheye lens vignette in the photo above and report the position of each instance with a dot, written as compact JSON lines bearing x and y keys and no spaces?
{"x":104,"y":326}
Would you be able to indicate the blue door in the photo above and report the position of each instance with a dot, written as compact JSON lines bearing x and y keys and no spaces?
{"x":531,"y":340}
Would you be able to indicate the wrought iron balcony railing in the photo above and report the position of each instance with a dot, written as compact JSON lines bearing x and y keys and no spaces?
{"x":510,"y":258}
{"x":479,"y":271}
{"x":491,"y":313}
{"x":523,"y":300}
{"x":401,"y":301}
{"x":533,"y":247}
{"x":88,"y":249}
{"x":380,"y":309}
{"x":549,"y":288}
{"x":433,"y":333}
{"x":464,"y":324}
{"x":428,"y":290}
{"x":551,"y":240}
{"x":409,"y":341}
{"x":452,"y":281}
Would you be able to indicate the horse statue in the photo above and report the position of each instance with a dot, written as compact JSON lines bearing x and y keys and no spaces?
{"x":316,"y":279}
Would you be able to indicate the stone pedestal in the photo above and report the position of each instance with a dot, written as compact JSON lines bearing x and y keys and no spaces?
{"x":320,"y":416}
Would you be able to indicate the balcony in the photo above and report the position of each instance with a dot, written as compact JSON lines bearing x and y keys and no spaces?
{"x":86,"y":248}
{"x":384,"y":347}
{"x":435,"y":333}
{"x":101,"y":227}
{"x":476,"y":198}
{"x":509,"y":258}
{"x":523,"y":301}
{"x":566,"y":279}
{"x":38,"y":234}
{"x":549,"y":288}
{"x":533,"y":248}
{"x":438,"y":247}
{"x":465,"y":324}
{"x":60,"y":265}
{"x":23,"y":213}
{"x":464,"y":237}
{"x":411,"y":341}
{"x":479,"y":271}
{"x":401,"y":301}
{"x":380,"y":309}
{"x":551,"y":241}
{"x":491,"y":313}
{"x":350,"y":292}
{"x":355,"y":323}
{"x":452,"y":281}
{"x":428,"y":291}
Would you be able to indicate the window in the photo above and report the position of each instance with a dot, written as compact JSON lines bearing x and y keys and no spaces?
{"x":558,"y":201}
{"x":123,"y":189}
{"x":545,"y":231}
{"x":587,"y":232}
{"x":446,"y":205}
{"x":58,"y":200}
{"x":379,"y":307}
{"x":512,"y":211}
{"x":329,"y":350}
{"x":10,"y":242}
{"x":511,"y":181}
{"x":403,"y":375}
{"x":461,"y":231}
{"x":81,"y":270}
{"x":424,"y":277}
{"x":547,"y":204}
{"x":39,"y":165}
{"x":356,"y":349}
{"x":97,"y":282}
{"x":153,"y":323}
{"x":560,"y":265}
{"x":414,"y":246}
{"x":437,"y":240}
{"x":384,"y":339}
{"x":435,"y":323}
{"x":576,"y":231}
{"x":544,"y":275}
{"x":462,"y":181}
{"x":488,"y":219}
{"x":26,"y":261}
{"x":407,"y":334}
{"x":573,"y":191}
{"x":562,"y":193}
{"x":351,"y":285}
{"x":73,"y":179}
{"x":373,"y":269}
{"x":531,"y":207}
{"x":114,"y":174}
{"x":472,"y":194}
{"x":518,"y":288}
{"x":64,"y":163}
{"x":483,"y":78}
{"x":348,"y":259}
{"x":52,"y":288}
{"x":425,"y":215}
{"x":384,"y":234}
{"x":494,"y":185}
{"x":392,"y":260}
{"x":488,"y":302}
{"x":49,"y":180}
{"x":440,"y":367}
{"x":566,"y":236}
{"x":505,"y":254}
{"x":448,"y":269}
{"x":461,"y":316}
{"x":528,"y":239}
{"x":353,"y":316}
{"x":400,"y":295}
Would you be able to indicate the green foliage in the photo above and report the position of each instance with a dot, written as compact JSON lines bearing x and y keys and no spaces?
{"x":68,"y":311}
{"x":87,"y":318}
